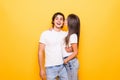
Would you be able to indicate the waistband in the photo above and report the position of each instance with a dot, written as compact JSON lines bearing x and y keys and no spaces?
{"x":67,"y":56}
{"x":55,"y":66}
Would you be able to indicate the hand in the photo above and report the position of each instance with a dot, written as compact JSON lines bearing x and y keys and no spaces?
{"x":68,"y":49}
{"x":50,"y":29}
{"x":65,"y":61}
{"x":43,"y":74}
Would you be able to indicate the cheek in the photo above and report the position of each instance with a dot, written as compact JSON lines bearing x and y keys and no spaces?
{"x":62,"y":22}
{"x":55,"y":22}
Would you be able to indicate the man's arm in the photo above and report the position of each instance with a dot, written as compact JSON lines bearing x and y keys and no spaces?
{"x":41,"y":58}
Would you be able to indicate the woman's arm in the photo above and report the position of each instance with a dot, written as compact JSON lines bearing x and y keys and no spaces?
{"x":74,"y":54}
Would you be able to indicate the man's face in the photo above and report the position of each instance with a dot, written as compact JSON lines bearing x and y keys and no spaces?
{"x":58,"y":21}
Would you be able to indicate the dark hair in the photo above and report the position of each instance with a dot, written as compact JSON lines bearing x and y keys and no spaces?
{"x":54,"y":16}
{"x":73,"y":22}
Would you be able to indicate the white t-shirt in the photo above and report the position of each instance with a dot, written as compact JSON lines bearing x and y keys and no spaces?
{"x":73,"y":39}
{"x":53,"y":41}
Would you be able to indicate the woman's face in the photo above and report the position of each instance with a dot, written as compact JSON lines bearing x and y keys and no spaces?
{"x":65,"y":22}
{"x":58,"y":21}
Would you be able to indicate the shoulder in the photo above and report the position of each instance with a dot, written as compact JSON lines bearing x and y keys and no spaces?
{"x":46,"y":32}
{"x":73,"y":35}
{"x":73,"y":38}
{"x":64,"y":32}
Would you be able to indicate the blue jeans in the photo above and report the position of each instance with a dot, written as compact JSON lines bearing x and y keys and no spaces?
{"x":56,"y":71}
{"x":72,"y":69}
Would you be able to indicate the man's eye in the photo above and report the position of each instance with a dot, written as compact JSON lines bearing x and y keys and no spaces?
{"x":61,"y":18}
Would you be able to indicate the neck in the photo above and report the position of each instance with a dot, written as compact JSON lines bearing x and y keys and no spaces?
{"x":57,"y":29}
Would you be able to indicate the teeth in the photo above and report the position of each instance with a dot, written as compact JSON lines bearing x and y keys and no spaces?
{"x":58,"y":23}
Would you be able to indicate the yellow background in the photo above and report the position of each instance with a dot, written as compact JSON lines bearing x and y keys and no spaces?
{"x":22,"y":21}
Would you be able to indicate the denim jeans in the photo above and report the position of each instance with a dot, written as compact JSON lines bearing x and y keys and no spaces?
{"x":72,"y":69}
{"x":56,"y":71}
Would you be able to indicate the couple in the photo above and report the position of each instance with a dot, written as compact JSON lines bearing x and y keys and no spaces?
{"x":60,"y":49}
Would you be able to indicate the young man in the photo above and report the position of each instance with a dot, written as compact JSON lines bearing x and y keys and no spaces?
{"x":51,"y":42}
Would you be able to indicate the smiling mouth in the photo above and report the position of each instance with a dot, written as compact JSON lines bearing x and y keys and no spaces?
{"x":58,"y":23}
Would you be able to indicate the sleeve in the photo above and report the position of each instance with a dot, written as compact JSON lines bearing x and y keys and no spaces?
{"x":73,"y":39}
{"x":42,"y":38}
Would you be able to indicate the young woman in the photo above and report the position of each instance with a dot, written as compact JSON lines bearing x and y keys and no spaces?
{"x":72,"y":40}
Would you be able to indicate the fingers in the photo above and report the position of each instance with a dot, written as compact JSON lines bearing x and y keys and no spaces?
{"x":68,"y":49}
{"x":43,"y":75}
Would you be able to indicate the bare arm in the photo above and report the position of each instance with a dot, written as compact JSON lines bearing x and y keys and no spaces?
{"x":74,"y":54}
{"x":41,"y":59}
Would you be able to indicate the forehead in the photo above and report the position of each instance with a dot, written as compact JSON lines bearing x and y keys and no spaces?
{"x":59,"y":16}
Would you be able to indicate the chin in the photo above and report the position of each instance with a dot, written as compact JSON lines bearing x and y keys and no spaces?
{"x":59,"y":27}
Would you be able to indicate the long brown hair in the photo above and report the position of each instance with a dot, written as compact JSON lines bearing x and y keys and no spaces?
{"x":73,"y":22}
